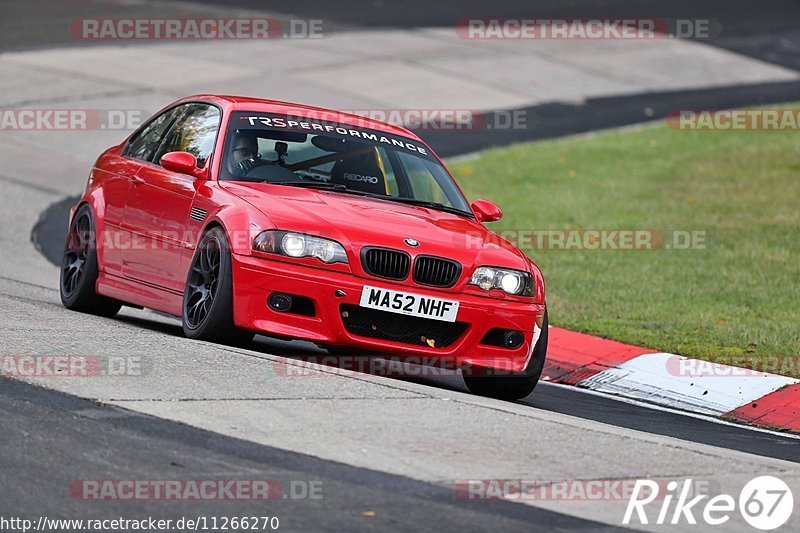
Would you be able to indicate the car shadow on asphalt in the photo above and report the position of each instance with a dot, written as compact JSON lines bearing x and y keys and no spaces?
{"x":310,"y":357}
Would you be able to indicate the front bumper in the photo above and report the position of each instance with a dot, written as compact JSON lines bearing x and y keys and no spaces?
{"x":255,"y":278}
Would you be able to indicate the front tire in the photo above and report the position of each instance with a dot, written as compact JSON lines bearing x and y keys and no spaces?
{"x":208,"y":297}
{"x":518,"y":386}
{"x":79,"y":269}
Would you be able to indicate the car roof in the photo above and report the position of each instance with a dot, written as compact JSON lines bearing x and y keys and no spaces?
{"x":241,"y":103}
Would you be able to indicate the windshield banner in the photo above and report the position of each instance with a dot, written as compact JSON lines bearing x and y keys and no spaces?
{"x":327,"y":128}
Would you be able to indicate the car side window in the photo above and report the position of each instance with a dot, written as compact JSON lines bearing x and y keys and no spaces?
{"x":194,"y":132}
{"x":144,"y":144}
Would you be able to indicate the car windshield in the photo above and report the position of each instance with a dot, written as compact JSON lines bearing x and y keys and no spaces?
{"x":262,"y":147}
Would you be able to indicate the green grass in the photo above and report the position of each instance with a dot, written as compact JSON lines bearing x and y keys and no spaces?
{"x":740,"y":296}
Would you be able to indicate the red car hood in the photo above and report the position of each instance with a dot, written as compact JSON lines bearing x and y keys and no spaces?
{"x":356,"y":221}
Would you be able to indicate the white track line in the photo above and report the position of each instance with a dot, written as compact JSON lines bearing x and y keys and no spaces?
{"x":656,"y":407}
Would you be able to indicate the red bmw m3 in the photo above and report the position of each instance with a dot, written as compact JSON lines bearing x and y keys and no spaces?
{"x":245,"y":216}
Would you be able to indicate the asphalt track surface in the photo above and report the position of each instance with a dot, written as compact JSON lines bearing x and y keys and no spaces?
{"x":50,"y":438}
{"x":752,"y":27}
{"x":768,"y":32}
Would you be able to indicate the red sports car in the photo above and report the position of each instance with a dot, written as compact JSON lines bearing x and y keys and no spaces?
{"x":246,"y":216}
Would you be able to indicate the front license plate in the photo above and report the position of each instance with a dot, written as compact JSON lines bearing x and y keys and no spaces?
{"x":406,"y":303}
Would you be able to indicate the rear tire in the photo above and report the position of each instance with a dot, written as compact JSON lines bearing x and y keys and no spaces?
{"x":516,"y":386}
{"x":207,"y":310}
{"x":79,"y":269}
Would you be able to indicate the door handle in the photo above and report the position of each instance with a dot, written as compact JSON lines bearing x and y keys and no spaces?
{"x":137,"y":180}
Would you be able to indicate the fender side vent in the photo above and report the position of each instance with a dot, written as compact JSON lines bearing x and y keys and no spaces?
{"x":198,"y":214}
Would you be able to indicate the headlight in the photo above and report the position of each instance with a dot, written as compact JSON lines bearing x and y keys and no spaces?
{"x":299,"y":245}
{"x":510,"y":281}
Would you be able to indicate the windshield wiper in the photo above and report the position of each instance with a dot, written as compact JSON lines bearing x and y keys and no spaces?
{"x":429,"y":204}
{"x":327,"y":186}
{"x":314,"y":185}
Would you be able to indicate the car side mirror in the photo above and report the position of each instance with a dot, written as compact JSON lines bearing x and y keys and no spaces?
{"x":486,"y":211}
{"x":181,"y":162}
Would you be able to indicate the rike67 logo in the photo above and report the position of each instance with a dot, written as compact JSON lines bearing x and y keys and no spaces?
{"x":766,"y":503}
